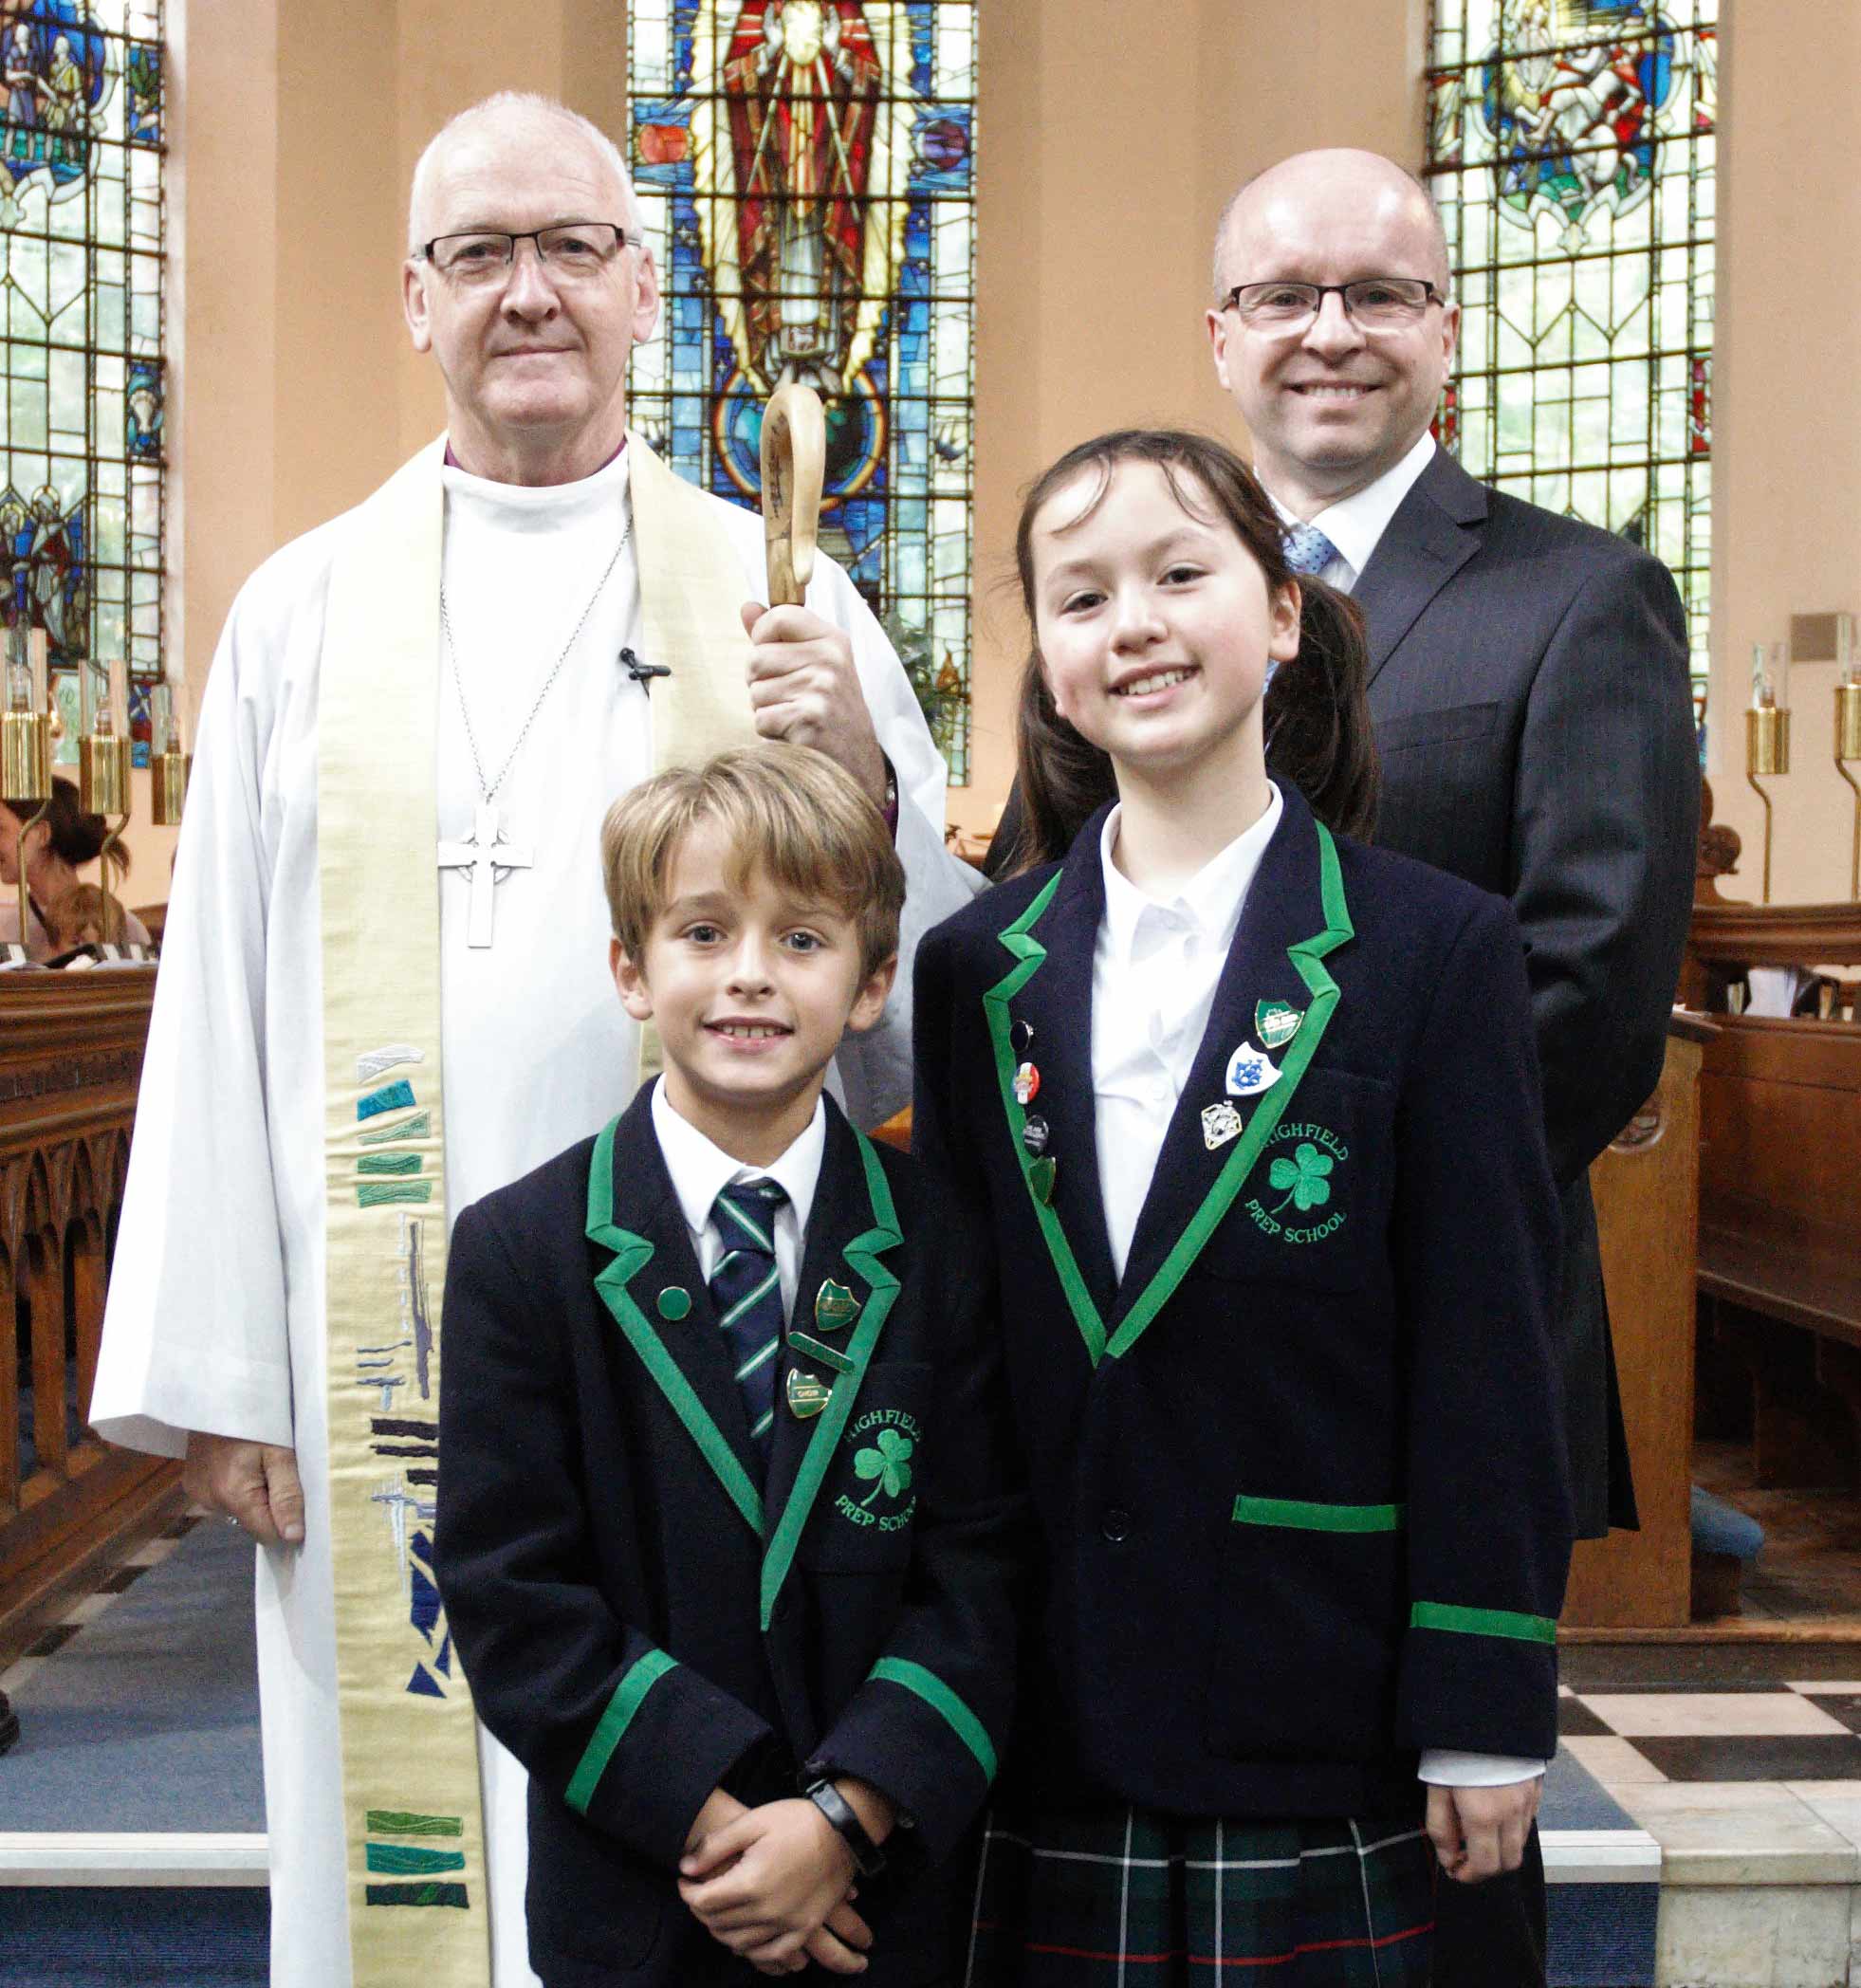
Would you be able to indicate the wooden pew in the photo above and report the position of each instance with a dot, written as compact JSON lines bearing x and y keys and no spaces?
{"x":1780,"y":1128}
{"x":1646,"y":1188}
{"x":70,"y":1060}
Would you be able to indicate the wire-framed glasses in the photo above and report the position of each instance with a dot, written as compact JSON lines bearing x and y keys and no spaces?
{"x":571,"y":251}
{"x":1372,"y":303}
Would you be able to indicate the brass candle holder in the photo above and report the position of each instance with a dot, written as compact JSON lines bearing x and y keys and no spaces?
{"x":1767,"y":735}
{"x":25,"y":745}
{"x":103,"y":769}
{"x":169,"y":765}
{"x":1848,"y":734}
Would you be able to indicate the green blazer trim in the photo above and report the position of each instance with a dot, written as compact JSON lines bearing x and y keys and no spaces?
{"x":1483,"y":1622}
{"x":1306,"y":956}
{"x":941,"y":1699}
{"x":632,"y":1253}
{"x":636,"y":1682}
{"x":1299,"y":1517}
{"x":863,"y":1254}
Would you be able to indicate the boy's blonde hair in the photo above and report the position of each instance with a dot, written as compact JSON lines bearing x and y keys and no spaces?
{"x":786,"y":809}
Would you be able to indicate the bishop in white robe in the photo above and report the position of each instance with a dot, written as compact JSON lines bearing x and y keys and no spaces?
{"x":217,"y":1318}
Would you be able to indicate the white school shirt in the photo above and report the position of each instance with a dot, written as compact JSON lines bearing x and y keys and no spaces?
{"x":701,"y":1170}
{"x":1355,"y":524}
{"x":1154,"y":969}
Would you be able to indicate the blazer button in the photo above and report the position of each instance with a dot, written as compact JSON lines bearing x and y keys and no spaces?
{"x":1117,"y":1524}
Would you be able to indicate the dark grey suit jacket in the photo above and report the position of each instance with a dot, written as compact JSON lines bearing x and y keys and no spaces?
{"x":1529,"y":687}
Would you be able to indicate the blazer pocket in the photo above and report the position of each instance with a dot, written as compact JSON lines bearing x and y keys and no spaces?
{"x":1455,"y":725}
{"x":861,"y":1521}
{"x":1307,"y":1631}
{"x":1313,"y":1213}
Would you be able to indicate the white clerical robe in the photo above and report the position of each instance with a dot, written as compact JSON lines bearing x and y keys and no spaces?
{"x":215,"y":1318}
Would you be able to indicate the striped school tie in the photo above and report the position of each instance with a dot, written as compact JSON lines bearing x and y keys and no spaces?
{"x":1307,"y":549}
{"x":746,"y":1292}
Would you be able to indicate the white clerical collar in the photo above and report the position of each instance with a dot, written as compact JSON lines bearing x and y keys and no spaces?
{"x":700,"y":1169}
{"x":1211,"y":901}
{"x":549,"y":504}
{"x":1355,"y":524}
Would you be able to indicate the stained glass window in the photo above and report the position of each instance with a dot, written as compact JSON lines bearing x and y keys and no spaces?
{"x":80,"y":266}
{"x":807,"y":172}
{"x":1570,"y":148}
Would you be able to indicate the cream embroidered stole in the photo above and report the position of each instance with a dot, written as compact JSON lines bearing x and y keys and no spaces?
{"x":413,"y":1823}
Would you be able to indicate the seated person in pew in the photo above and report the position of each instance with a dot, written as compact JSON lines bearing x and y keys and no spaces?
{"x":52,"y":851}
{"x":729,"y":1724}
{"x":89,"y":916}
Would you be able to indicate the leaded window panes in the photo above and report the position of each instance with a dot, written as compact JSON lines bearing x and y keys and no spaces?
{"x":81,"y":267}
{"x":1571,"y":151}
{"x":805,"y":170}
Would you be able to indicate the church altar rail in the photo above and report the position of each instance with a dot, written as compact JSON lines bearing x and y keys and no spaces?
{"x":1780,"y":1125}
{"x":1646,"y":1187}
{"x":70,"y":1060}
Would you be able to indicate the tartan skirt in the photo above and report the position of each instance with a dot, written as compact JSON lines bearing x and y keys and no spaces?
{"x":1118,"y":1897}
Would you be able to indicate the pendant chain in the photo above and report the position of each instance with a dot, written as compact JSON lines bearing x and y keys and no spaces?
{"x":488,"y":791}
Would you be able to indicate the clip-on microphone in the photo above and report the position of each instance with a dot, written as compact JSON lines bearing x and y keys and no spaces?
{"x":642,"y":673}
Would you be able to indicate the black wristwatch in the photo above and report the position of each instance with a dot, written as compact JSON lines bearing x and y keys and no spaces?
{"x":868,"y":1858}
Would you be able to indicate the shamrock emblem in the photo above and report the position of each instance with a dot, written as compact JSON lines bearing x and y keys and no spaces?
{"x":889,"y":1461}
{"x":1303,"y":1176}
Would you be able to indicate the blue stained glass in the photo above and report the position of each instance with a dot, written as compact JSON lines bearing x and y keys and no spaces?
{"x":791,"y":156}
{"x":1571,"y":151}
{"x":81,"y":269}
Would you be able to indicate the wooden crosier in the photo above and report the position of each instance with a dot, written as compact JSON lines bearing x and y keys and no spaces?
{"x":794,"y":457}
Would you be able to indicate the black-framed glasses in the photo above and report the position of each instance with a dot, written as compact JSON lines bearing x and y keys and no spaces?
{"x":570,"y":250}
{"x":1372,"y":303}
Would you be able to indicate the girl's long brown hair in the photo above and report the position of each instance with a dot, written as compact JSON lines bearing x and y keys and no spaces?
{"x":1317,"y":714}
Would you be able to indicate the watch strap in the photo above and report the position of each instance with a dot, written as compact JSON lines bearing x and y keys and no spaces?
{"x":868,"y":1859}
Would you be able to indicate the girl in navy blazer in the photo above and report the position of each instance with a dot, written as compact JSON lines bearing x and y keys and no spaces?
{"x":1251,"y":1111}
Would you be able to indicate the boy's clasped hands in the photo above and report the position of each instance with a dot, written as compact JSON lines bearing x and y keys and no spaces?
{"x":775,"y":1884}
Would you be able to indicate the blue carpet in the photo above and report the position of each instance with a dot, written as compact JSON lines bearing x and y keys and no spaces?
{"x":1575,"y":1799}
{"x":1601,"y":1936}
{"x":84,"y":1938}
{"x":147,"y":1719}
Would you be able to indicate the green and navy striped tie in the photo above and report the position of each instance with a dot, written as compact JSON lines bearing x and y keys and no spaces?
{"x":747,"y":1291}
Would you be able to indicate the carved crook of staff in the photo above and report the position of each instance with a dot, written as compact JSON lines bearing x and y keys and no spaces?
{"x":794,"y":468}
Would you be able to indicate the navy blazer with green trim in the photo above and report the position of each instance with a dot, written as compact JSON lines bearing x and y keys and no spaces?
{"x":635,"y":1629}
{"x":1300,"y":1474}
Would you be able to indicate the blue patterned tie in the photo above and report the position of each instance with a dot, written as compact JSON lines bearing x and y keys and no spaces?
{"x":1307,"y":549}
{"x":747,"y":1291}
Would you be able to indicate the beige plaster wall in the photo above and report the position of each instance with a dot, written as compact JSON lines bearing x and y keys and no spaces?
{"x":1110,"y":133}
{"x":1786,"y":418}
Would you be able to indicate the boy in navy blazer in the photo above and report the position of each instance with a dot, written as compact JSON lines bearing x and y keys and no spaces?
{"x":726,"y":1531}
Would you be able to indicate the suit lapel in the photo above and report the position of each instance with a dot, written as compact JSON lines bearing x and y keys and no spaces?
{"x":1049,"y":991}
{"x":1432,"y":537}
{"x":1296,"y":914}
{"x":684,"y":1353}
{"x":852,"y":1224}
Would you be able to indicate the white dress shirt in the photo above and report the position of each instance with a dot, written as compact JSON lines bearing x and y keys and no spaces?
{"x":1355,"y":523}
{"x":1154,"y":971}
{"x":1153,"y":975}
{"x":701,"y":1170}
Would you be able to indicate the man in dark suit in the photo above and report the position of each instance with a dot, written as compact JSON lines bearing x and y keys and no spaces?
{"x":1529,"y":687}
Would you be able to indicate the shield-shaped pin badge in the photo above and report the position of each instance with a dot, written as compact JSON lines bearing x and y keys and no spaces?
{"x":1250,"y":1071}
{"x":1276,"y":1022}
{"x":835,"y":1306}
{"x":808,"y":1396}
{"x":1220,"y":1123}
